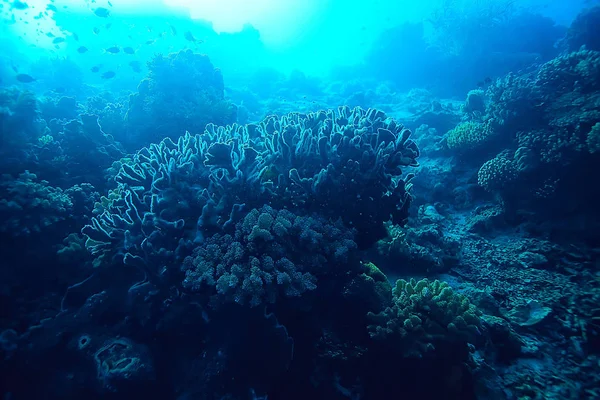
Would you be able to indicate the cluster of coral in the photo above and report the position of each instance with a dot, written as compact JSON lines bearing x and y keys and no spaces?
{"x":167,"y":242}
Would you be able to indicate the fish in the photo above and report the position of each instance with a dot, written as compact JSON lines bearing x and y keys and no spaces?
{"x":108,"y":75}
{"x":110,"y":4}
{"x":102,"y":12}
{"x":128,"y":50}
{"x":76,"y":37}
{"x":50,"y":34}
{"x":95,"y":68}
{"x":150,"y":41}
{"x":113,"y":50}
{"x":107,"y":26}
{"x":188,"y":36}
{"x":82,"y":49}
{"x":19,"y":5}
{"x":24,"y":78}
{"x":51,"y":7}
{"x":58,"y":40}
{"x":173,"y":30}
{"x":96,"y":30}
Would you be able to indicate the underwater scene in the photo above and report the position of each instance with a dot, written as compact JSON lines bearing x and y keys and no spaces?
{"x":299,"y":199}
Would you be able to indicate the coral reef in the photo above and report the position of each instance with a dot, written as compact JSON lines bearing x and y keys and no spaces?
{"x":271,"y":254}
{"x":425,"y":314}
{"x":183,"y":92}
{"x":29,"y":206}
{"x":176,"y":193}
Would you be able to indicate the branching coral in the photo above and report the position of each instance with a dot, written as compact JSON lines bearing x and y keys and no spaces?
{"x":271,"y":254}
{"x":423,"y":315}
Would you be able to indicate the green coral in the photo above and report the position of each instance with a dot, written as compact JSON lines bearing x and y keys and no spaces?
{"x":593,"y":139}
{"x":469,"y":135}
{"x":423,"y":315}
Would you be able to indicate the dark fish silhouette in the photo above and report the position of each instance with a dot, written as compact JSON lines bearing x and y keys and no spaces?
{"x":58,"y":40}
{"x":173,"y":30}
{"x":128,"y":50}
{"x":188,"y":36}
{"x":102,"y":12}
{"x":51,"y":7}
{"x":82,"y":49}
{"x":96,"y":30}
{"x":150,"y":41}
{"x":95,"y":68}
{"x":24,"y":78}
{"x":50,"y":34}
{"x":19,"y":5}
{"x":76,"y":37}
{"x":113,"y":50}
{"x":110,"y":4}
{"x":108,"y":75}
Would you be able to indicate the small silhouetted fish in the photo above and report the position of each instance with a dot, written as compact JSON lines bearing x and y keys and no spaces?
{"x":188,"y":36}
{"x":108,"y":75}
{"x":14,"y":68}
{"x":113,"y":50}
{"x":110,"y":4}
{"x":58,"y":40}
{"x":488,"y":80}
{"x":173,"y":30}
{"x":150,"y":41}
{"x":50,"y":34}
{"x":82,"y":49}
{"x":96,"y":30}
{"x":95,"y":68}
{"x":107,"y":26}
{"x":51,"y":7}
{"x":101,"y":12}
{"x":128,"y":50}
{"x":19,"y":5}
{"x":76,"y":37}
{"x":135,"y":66}
{"x":25,"y":78}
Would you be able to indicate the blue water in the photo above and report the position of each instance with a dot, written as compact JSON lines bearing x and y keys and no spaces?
{"x":299,"y":200}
